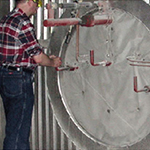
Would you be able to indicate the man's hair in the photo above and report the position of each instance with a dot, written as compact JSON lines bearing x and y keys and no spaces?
{"x":19,"y":1}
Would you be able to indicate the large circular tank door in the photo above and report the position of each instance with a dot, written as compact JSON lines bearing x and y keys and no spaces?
{"x":100,"y":102}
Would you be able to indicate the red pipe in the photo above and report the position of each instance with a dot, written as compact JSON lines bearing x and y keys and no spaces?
{"x":75,"y":21}
{"x":135,"y":84}
{"x":102,"y":22}
{"x":140,"y":65}
{"x":146,"y":88}
{"x":103,"y":63}
{"x":61,"y":22}
{"x":92,"y":58}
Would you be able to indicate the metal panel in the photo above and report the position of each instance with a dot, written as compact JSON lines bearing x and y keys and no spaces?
{"x":56,"y":101}
{"x":45,"y":132}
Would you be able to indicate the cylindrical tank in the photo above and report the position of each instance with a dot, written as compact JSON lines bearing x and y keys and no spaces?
{"x":96,"y":106}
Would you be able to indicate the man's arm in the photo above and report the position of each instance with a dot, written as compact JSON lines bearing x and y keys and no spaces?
{"x":43,"y":60}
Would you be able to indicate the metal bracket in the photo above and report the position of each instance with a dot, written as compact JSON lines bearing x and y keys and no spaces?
{"x":138,"y":63}
{"x":145,"y":89}
{"x":103,"y":63}
{"x":67,"y":68}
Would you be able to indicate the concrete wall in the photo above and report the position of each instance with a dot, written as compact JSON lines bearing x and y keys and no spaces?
{"x":4,"y":7}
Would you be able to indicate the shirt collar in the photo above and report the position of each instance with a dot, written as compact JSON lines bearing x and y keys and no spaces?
{"x":20,"y":11}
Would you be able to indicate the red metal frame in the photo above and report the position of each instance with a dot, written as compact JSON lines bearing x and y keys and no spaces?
{"x":74,"y":21}
{"x":102,"y":22}
{"x":145,"y":89}
{"x":103,"y":63}
{"x":61,"y":22}
{"x":92,"y":58}
{"x":139,"y":63}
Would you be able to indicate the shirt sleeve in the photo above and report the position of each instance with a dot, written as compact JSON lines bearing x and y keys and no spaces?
{"x":28,"y":40}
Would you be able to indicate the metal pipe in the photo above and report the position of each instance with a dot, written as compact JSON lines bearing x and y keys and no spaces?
{"x":137,"y":61}
{"x":12,"y":5}
{"x":135,"y":85}
{"x":69,"y":5}
{"x":90,"y":20}
{"x":47,"y":114}
{"x":86,"y":4}
{"x":55,"y":135}
{"x":103,"y":63}
{"x":145,"y":89}
{"x":92,"y":58}
{"x":75,"y":5}
{"x":75,"y":21}
{"x":40,"y":123}
{"x":61,"y":22}
{"x":140,"y":65}
{"x":77,"y":42}
{"x":50,"y":10}
{"x":66,"y":68}
{"x":77,"y":37}
{"x":102,"y":21}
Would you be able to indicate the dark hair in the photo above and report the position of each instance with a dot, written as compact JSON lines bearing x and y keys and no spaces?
{"x":19,"y":1}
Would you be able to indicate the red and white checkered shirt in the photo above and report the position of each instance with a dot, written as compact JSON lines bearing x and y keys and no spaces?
{"x":18,"y":42}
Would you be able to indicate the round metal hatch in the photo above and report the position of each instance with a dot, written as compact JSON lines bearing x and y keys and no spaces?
{"x":97,"y":104}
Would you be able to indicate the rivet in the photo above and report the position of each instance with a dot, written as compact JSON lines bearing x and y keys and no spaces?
{"x":108,"y":110}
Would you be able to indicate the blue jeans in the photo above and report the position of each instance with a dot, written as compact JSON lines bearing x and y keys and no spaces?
{"x":16,"y":91}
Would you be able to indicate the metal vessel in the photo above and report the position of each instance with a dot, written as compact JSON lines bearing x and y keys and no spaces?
{"x":100,"y":95}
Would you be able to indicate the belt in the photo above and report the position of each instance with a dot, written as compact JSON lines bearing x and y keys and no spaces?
{"x":17,"y":69}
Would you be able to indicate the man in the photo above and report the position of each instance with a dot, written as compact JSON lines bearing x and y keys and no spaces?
{"x":20,"y":54}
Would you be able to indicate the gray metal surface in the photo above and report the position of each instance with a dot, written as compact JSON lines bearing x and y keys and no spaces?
{"x":46,"y":132}
{"x":69,"y":105}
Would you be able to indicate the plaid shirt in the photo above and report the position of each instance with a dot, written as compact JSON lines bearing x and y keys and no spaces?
{"x":18,"y":43}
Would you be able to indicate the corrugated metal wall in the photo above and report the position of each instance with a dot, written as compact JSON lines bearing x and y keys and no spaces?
{"x":45,"y":133}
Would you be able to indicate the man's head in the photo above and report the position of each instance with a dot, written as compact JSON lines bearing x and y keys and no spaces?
{"x":28,"y":6}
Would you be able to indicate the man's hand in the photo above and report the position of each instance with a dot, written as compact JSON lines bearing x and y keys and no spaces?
{"x":44,"y":60}
{"x":56,"y":61}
